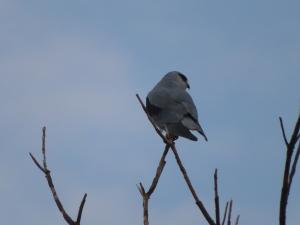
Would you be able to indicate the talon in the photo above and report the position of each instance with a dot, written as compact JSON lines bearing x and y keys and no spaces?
{"x":170,"y":138}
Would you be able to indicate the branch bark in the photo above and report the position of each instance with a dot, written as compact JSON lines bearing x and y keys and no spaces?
{"x":217,"y":204}
{"x":146,"y":195}
{"x":225,"y":213}
{"x":47,"y":173}
{"x":283,"y":132}
{"x":288,"y":171}
{"x":229,"y":213}
{"x":294,"y":166}
{"x":191,"y":188}
{"x":237,"y":220}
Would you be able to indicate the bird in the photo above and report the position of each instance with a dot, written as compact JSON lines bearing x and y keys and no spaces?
{"x":172,"y":109}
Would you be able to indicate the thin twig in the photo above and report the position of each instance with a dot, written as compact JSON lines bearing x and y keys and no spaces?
{"x":191,"y":188}
{"x":237,"y":220}
{"x":145,"y":202}
{"x":47,"y":173}
{"x":283,"y":132}
{"x":288,"y":176}
{"x":159,"y":170}
{"x":293,"y":170}
{"x":141,"y":188}
{"x":217,"y":204}
{"x":225,"y":213}
{"x":37,"y":163}
{"x":145,"y":207}
{"x":44,"y":148}
{"x":146,"y":195}
{"x":229,"y":213}
{"x":81,"y":209}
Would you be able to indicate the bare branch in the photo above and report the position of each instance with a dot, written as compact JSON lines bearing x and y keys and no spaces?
{"x":81,"y":209}
{"x":44,"y":148}
{"x":293,"y":170}
{"x":37,"y":163}
{"x":283,"y":132}
{"x":296,"y":132}
{"x":217,"y":204}
{"x":141,"y":188}
{"x":146,"y":195}
{"x":288,"y":172}
{"x":191,"y":188}
{"x":146,"y":214}
{"x":159,"y":170}
{"x":225,"y":213}
{"x":145,"y":202}
{"x":237,"y":220}
{"x":45,"y":170}
{"x":229,"y":213}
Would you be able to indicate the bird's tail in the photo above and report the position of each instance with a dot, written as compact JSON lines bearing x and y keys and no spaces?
{"x":193,"y":124}
{"x":203,"y":134}
{"x":177,"y":129}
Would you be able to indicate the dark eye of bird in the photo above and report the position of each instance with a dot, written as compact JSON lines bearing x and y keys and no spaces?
{"x":183,"y":77}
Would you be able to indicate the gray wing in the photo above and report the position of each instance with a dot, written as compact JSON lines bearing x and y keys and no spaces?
{"x":175,"y":104}
{"x":174,"y":107}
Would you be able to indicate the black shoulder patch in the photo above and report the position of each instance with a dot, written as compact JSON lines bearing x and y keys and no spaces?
{"x":183,"y":77}
{"x":152,"y":109}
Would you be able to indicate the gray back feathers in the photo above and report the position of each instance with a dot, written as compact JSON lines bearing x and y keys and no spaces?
{"x":171,"y":106}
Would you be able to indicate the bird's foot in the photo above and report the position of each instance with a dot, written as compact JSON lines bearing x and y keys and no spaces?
{"x":171,"y":138}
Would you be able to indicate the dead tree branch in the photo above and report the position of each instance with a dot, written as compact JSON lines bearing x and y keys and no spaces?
{"x":217,"y":204}
{"x":225,"y":213}
{"x":229,"y":213}
{"x":283,"y":132}
{"x":46,"y":171}
{"x":146,"y":195}
{"x":191,"y":188}
{"x":237,"y":220}
{"x":171,"y":144}
{"x":289,"y":168}
{"x":293,"y":170}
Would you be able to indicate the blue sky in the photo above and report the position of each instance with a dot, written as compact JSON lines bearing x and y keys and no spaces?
{"x":75,"y":66}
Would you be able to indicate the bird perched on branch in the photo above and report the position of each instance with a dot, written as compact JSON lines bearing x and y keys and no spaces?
{"x":172,"y":108}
